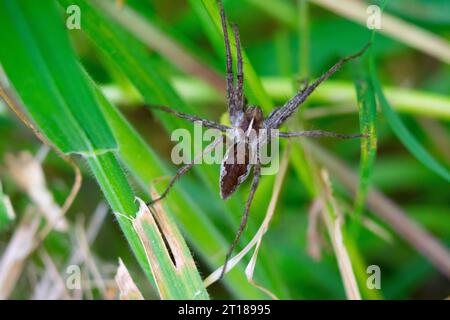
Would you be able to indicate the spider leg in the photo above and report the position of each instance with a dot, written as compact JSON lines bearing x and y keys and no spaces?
{"x":255,"y":183}
{"x":239,"y":93}
{"x":280,"y":115}
{"x":230,"y":76}
{"x":184,"y":169}
{"x":320,"y":134}
{"x":191,"y":118}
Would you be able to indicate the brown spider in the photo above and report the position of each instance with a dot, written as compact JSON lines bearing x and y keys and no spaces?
{"x":247,"y":118}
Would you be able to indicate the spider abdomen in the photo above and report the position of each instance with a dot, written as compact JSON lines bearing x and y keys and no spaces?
{"x":235,"y":168}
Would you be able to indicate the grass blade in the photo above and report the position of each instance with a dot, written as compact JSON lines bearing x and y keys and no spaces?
{"x":111,"y":178}
{"x":253,"y":88}
{"x":155,"y":38}
{"x":7,"y":214}
{"x":172,"y":266}
{"x":413,"y":233}
{"x":394,"y":27}
{"x":19,"y":247}
{"x":403,"y":133}
{"x":334,"y":222}
{"x":70,"y":114}
{"x":127,"y":287}
{"x":74,"y":125}
{"x":331,"y":93}
{"x":367,"y":122}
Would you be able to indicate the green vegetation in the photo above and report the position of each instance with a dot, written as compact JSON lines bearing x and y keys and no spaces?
{"x":339,"y":207}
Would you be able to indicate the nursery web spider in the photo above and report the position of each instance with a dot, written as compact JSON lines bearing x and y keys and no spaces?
{"x":246,"y":118}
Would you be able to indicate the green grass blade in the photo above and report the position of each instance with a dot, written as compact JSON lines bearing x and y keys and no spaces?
{"x":120,"y":197}
{"x":111,"y":39}
{"x":75,"y":125}
{"x":6,"y":212}
{"x":253,"y":87}
{"x":73,"y":103}
{"x":117,"y":191}
{"x":208,"y":28}
{"x":367,"y":122}
{"x":396,"y":124}
{"x":359,"y":264}
{"x":403,"y":133}
{"x":330,"y":94}
{"x":280,"y":10}
{"x":54,"y":116}
{"x":175,"y":273}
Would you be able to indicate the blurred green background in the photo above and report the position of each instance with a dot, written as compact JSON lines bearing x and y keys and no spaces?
{"x":285,"y":41}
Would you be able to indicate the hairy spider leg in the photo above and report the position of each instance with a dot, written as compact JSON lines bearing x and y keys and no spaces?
{"x":320,"y":134}
{"x":280,"y":115}
{"x":239,"y":91}
{"x":255,"y":183}
{"x":229,"y":65}
{"x":191,"y":118}
{"x":184,"y":169}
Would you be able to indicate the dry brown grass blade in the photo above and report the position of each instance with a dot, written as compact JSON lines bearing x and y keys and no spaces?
{"x":88,"y":259}
{"x":333,"y":220}
{"x":120,"y":3}
{"x":19,"y":248}
{"x":377,"y":229}
{"x":249,"y":271}
{"x":166,"y":227}
{"x":315,"y":240}
{"x":27,"y":173}
{"x":49,"y":289}
{"x":438,"y":134}
{"x":127,"y":287}
{"x":13,"y":103}
{"x":394,"y":27}
{"x":313,"y":235}
{"x":145,"y":217}
{"x":388,"y":211}
{"x":55,"y":276}
{"x":173,"y":269}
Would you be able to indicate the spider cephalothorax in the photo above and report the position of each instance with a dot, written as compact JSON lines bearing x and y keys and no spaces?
{"x":248,"y":125}
{"x":253,"y":116}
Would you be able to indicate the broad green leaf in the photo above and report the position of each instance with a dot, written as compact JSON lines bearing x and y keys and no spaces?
{"x":45,"y":73}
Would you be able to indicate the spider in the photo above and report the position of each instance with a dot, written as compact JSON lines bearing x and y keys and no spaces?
{"x":246,"y":118}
